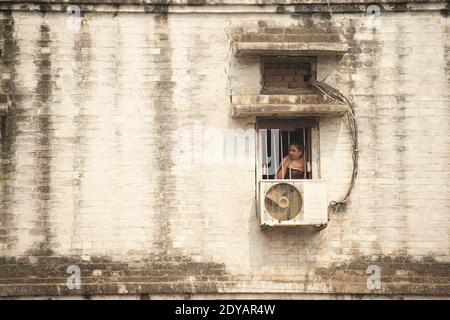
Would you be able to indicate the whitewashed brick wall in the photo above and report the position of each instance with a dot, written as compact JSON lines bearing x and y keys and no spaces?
{"x":121,"y":87}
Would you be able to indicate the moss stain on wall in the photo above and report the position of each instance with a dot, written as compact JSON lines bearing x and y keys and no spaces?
{"x":9,"y":57}
{"x":43,"y":155}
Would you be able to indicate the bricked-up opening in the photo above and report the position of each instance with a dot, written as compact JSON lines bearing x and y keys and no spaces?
{"x":289,"y":75}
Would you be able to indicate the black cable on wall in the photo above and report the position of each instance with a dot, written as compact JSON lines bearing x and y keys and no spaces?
{"x":337,"y":96}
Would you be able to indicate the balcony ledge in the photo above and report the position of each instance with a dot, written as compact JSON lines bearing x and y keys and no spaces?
{"x":280,"y":106}
{"x":289,"y":48}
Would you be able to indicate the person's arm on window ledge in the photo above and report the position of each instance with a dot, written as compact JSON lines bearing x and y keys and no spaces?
{"x":283,"y":168}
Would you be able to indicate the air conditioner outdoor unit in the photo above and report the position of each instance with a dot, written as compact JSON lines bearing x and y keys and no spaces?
{"x":293,"y":203}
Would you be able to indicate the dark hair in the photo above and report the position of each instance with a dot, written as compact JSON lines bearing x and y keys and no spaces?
{"x":298,"y":146}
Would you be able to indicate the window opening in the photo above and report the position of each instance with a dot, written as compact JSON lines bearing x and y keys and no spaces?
{"x":286,"y":154}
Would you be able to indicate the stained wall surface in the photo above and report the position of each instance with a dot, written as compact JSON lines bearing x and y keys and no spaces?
{"x":112,"y":121}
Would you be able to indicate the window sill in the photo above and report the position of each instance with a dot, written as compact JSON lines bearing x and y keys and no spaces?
{"x":279,"y":106}
{"x":3,"y":110}
{"x":287,"y":91}
{"x":289,"y":48}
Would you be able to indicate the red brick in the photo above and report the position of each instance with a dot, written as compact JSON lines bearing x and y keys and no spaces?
{"x":278,"y":84}
{"x":293,"y":85}
{"x":273,"y":78}
{"x":288,"y":78}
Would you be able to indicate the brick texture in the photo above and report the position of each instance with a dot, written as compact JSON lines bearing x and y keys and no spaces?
{"x":106,"y":156}
{"x":286,"y":75}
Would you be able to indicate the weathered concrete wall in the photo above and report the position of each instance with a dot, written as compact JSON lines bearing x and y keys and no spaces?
{"x":97,"y":170}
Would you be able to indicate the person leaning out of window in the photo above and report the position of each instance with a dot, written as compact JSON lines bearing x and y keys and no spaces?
{"x":293,"y":165}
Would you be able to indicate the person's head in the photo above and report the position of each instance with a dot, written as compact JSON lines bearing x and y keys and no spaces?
{"x":295,"y":151}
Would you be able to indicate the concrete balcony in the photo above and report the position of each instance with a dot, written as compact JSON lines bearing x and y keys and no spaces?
{"x":289,"y":48}
{"x":285,"y":106}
